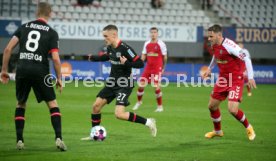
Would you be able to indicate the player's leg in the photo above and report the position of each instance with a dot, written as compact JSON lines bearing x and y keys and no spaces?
{"x":234,"y":99}
{"x":156,"y":80}
{"x":216,"y":118}
{"x":23,"y":87}
{"x":56,"y":123}
{"x":104,"y":97}
{"x":158,"y":95}
{"x":19,"y":124}
{"x":45,"y":92}
{"x":96,"y":111}
{"x":233,"y":107}
{"x":142,"y":83}
{"x":120,"y":113}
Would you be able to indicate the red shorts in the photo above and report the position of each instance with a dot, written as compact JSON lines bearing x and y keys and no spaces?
{"x":151,"y":76}
{"x":233,"y":91}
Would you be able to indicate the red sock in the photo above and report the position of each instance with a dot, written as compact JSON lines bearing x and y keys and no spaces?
{"x":215,"y":115}
{"x":240,"y":116}
{"x":158,"y":94}
{"x":248,"y":89}
{"x":140,"y":93}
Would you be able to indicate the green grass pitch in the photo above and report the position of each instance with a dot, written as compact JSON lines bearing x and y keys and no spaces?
{"x":181,"y":128}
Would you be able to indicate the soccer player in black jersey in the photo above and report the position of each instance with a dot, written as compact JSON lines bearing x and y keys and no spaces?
{"x":36,"y":41}
{"x":119,"y":84}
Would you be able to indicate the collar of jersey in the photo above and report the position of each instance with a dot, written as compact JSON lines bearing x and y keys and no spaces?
{"x":42,"y":20}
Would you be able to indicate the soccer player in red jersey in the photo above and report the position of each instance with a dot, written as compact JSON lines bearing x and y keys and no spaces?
{"x":231,"y":61}
{"x":155,"y":52}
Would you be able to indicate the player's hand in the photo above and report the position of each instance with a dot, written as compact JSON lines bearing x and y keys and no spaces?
{"x":5,"y":77}
{"x":252,"y":83}
{"x":59,"y":85}
{"x":206,"y":74}
{"x":163,"y":70}
{"x":123,"y":59}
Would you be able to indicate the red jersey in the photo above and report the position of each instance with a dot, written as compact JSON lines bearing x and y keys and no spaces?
{"x":154,"y":53}
{"x":229,"y":58}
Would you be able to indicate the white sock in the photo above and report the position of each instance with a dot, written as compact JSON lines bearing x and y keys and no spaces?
{"x":148,"y":123}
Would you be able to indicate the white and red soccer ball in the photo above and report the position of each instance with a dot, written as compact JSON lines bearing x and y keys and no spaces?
{"x":98,"y":133}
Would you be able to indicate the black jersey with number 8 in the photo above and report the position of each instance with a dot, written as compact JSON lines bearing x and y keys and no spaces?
{"x":36,"y":41}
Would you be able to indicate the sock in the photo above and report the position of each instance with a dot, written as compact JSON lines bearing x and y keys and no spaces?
{"x":248,"y":89}
{"x":158,"y":94}
{"x":216,"y":117}
{"x":140,"y":93}
{"x":136,"y":118}
{"x":56,"y":121}
{"x":96,"y":119}
{"x":240,"y":116}
{"x":19,"y":123}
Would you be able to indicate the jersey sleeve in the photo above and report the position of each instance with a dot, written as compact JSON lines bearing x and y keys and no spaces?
{"x":144,"y":51}
{"x":235,"y":50}
{"x":163,"y":47}
{"x":54,"y":43}
{"x":131,"y":54}
{"x":17,"y":33}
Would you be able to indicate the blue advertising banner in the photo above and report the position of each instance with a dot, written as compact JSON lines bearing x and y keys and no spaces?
{"x":251,"y":35}
{"x":8,"y":27}
{"x":174,"y":72}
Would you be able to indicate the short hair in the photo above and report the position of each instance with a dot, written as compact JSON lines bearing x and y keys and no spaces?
{"x":215,"y":28}
{"x":44,"y":9}
{"x":110,"y":27}
{"x":154,"y":28}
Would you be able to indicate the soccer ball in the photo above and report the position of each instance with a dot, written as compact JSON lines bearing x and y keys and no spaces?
{"x":98,"y":133}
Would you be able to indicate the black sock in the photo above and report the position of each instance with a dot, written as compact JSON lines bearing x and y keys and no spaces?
{"x":56,"y":121}
{"x":136,"y":118}
{"x":96,"y":119}
{"x":19,"y":123}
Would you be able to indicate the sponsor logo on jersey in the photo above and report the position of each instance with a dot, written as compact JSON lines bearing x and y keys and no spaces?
{"x":118,"y":54}
{"x":152,"y":54}
{"x":220,"y":61}
{"x":30,"y":56}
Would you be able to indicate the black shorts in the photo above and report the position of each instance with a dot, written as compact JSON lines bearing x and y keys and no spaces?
{"x":120,"y":93}
{"x":41,"y":90}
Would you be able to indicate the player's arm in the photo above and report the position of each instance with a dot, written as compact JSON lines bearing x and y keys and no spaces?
{"x":6,"y":58}
{"x":165,"y":59}
{"x":210,"y":67}
{"x":164,"y":52}
{"x":103,"y":57}
{"x":137,"y":63}
{"x":54,"y":47}
{"x":143,"y":57}
{"x":248,"y":64}
{"x":131,"y":59}
{"x":238,"y":52}
{"x":57,"y":67}
{"x":144,"y":52}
